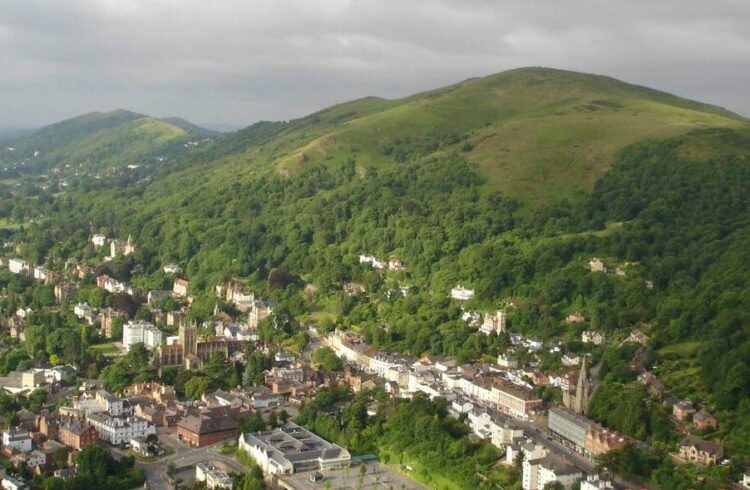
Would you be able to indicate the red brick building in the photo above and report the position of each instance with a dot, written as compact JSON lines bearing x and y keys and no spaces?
{"x":211,"y":426}
{"x":76,"y":435}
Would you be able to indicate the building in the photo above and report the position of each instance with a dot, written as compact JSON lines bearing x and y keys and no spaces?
{"x":118,"y":247}
{"x":180,"y":287}
{"x":65,"y":291}
{"x":595,"y":482}
{"x":569,"y":426}
{"x":10,"y":483}
{"x":702,"y":420}
{"x":211,"y":426}
{"x":600,"y":440}
{"x":593,"y":337}
{"x":213,"y":476}
{"x":513,"y":400}
{"x":75,"y":434}
{"x":172,"y":269}
{"x":119,"y":430}
{"x":683,"y":410}
{"x":146,"y":333}
{"x":99,"y":240}
{"x":462,"y":294}
{"x":596,"y":265}
{"x":698,"y":451}
{"x":17,"y":266}
{"x":537,"y":473}
{"x":17,"y":439}
{"x":494,"y":323}
{"x":292,"y":449}
{"x":637,"y":337}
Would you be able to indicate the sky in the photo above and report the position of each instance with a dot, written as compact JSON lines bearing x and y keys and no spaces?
{"x":240,"y":61}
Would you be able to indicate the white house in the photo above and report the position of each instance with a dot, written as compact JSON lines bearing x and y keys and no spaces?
{"x":595,"y":482}
{"x":593,"y":337}
{"x":172,"y":269}
{"x":40,"y":273}
{"x":18,"y":439}
{"x":462,"y":294}
{"x":99,"y":240}
{"x":213,"y":476}
{"x":10,"y":483}
{"x":571,"y":359}
{"x":17,"y":266}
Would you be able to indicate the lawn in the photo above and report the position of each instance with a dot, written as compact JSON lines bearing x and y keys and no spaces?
{"x":683,"y":349}
{"x":105,"y":348}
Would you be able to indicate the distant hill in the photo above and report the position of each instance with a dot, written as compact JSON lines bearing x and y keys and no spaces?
{"x":97,"y":139}
{"x":11,"y":134}
{"x":189,"y":127}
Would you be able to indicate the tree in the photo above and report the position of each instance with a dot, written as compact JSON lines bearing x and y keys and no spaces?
{"x":60,"y":457}
{"x":326,"y":360}
{"x":554,"y":485}
{"x":196,"y":387}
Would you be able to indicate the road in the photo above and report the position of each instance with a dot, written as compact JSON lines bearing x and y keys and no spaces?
{"x":183,"y":457}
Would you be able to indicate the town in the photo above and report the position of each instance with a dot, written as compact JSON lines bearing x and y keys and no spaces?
{"x":217,"y":437}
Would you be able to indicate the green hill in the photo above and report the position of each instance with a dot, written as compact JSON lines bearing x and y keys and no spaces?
{"x":96,"y":140}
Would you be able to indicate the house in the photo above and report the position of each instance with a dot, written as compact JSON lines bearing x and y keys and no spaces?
{"x":596,"y":265}
{"x":10,"y":483}
{"x":637,"y":337}
{"x":682,"y":410}
{"x":745,"y":482}
{"x":99,"y":240}
{"x":180,"y":287}
{"x":506,"y":361}
{"x":17,"y":266}
{"x":395,"y":265}
{"x":576,"y":317}
{"x":593,"y":337}
{"x":291,"y":449}
{"x":596,"y":482}
{"x":698,"y":451}
{"x":76,"y":434}
{"x":17,"y":439}
{"x":41,"y":274}
{"x":462,"y":294}
{"x":703,"y":420}
{"x":571,"y":359}
{"x":172,"y":269}
{"x":213,"y":476}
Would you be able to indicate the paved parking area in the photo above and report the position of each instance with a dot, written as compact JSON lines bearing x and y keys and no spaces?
{"x":377,"y":476}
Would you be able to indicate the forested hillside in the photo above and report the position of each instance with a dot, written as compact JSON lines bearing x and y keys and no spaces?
{"x":507,"y":184}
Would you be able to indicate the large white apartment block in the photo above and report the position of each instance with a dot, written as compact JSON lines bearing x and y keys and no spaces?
{"x":141,"y":332}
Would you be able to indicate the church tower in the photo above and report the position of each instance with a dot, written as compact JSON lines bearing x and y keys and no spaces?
{"x":581,"y":402}
{"x":188,"y":334}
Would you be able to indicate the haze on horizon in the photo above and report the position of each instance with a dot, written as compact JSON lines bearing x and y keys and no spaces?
{"x":237,"y":62}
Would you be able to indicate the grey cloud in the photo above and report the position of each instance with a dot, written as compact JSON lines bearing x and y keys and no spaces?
{"x":239,"y":61}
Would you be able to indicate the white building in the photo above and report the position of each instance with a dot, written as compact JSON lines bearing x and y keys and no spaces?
{"x":40,"y":273}
{"x":18,"y":439}
{"x":82,"y":309}
{"x":506,"y":361}
{"x":118,"y":430}
{"x":17,"y":266}
{"x":135,"y":332}
{"x":292,"y":448}
{"x":595,"y":482}
{"x":571,"y":359}
{"x":461,"y":293}
{"x":10,"y":483}
{"x":213,"y":476}
{"x":593,"y":337}
{"x":99,"y":240}
{"x":172,"y":269}
{"x":538,"y":472}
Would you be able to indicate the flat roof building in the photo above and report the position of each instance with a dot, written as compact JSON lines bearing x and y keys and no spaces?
{"x":291,"y":449}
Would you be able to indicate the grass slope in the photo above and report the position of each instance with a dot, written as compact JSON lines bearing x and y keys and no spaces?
{"x":114,"y":138}
{"x":536,"y":134}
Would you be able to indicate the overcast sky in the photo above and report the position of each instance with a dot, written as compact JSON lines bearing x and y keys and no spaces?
{"x":239,"y":61}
